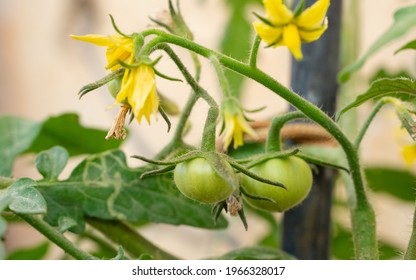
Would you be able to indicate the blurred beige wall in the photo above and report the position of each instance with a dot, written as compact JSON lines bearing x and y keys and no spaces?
{"x":43,"y":69}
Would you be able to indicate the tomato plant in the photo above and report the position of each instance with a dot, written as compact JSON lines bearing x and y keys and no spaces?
{"x":293,"y":172}
{"x":197,"y":180}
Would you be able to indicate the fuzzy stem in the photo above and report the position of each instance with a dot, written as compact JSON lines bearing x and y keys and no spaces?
{"x":131,"y":241}
{"x":225,"y":86}
{"x":370,"y":118}
{"x":411,"y":248}
{"x":274,"y":143}
{"x":208,"y":136}
{"x":254,"y":51}
{"x":363,"y":218}
{"x":56,"y":237}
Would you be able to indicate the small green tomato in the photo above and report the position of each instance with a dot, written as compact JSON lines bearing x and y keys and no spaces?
{"x":114,"y":86}
{"x":293,"y":172}
{"x":197,"y":180}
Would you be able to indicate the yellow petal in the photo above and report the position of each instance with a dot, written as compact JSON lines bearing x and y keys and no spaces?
{"x":98,"y":40}
{"x":277,"y":12}
{"x":291,"y":39}
{"x":314,"y":34}
{"x":270,"y":35}
{"x":313,"y":16}
{"x":409,"y":153}
{"x":229,"y":126}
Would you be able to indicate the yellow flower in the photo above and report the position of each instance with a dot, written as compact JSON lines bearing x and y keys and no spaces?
{"x":409,"y":153}
{"x":119,"y":48}
{"x":282,"y":27}
{"x":235,"y":124}
{"x":138,"y":87}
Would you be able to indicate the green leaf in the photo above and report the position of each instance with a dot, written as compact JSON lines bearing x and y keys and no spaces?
{"x":66,"y":131}
{"x":409,"y":46}
{"x":381,"y":88}
{"x":25,"y":198}
{"x":257,"y":253}
{"x":35,"y":253}
{"x":50,"y":163}
{"x":17,"y":135}
{"x":404,"y":21}
{"x":103,"y":186}
{"x":396,"y":182}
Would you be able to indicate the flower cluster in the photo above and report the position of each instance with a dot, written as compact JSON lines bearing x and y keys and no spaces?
{"x":283,"y":27}
{"x":138,"y":85}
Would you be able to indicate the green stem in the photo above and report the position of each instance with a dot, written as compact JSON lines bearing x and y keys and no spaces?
{"x":56,"y":237}
{"x":274,"y":143}
{"x":132,"y":242}
{"x":198,"y":92}
{"x":254,"y":51}
{"x":208,"y":136}
{"x":363,"y":218}
{"x":370,"y":118}
{"x":411,"y":248}
{"x":225,"y":86}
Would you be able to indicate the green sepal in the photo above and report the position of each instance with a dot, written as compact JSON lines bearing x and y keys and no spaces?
{"x":299,"y":8}
{"x":92,"y":86}
{"x":113,"y":22}
{"x":264,"y":20}
{"x":221,"y":166}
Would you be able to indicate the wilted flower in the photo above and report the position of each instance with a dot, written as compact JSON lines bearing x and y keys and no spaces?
{"x":283,"y":27}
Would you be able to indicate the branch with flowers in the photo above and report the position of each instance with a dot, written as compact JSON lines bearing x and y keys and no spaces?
{"x":274,"y":180}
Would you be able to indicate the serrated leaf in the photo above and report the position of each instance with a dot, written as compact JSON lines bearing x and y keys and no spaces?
{"x":50,"y":163}
{"x":257,"y":253}
{"x":404,"y":21}
{"x":17,"y":134}
{"x":103,"y":186}
{"x":66,"y":131}
{"x":25,"y":198}
{"x":35,"y":253}
{"x":409,"y":46}
{"x":397,"y":182}
{"x":381,"y":88}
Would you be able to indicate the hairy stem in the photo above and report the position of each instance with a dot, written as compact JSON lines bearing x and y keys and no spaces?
{"x":132,"y":242}
{"x":208,"y":136}
{"x":225,"y":86}
{"x":254,"y":51}
{"x":56,"y":237}
{"x":274,"y":143}
{"x":370,"y":118}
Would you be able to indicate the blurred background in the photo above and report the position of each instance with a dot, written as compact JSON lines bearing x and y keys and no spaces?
{"x":43,"y":70}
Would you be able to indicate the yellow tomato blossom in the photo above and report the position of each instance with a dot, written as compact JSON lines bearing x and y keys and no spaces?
{"x":409,"y":153}
{"x":235,"y":124}
{"x":282,"y":27}
{"x":138,"y":87}
{"x":119,"y":48}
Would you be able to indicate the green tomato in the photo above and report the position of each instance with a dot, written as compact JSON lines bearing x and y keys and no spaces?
{"x":293,"y":172}
{"x":197,"y":180}
{"x":114,"y":86}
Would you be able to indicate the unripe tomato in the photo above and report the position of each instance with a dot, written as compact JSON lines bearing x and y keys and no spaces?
{"x":114,"y":86}
{"x":197,"y":180}
{"x":293,"y":172}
